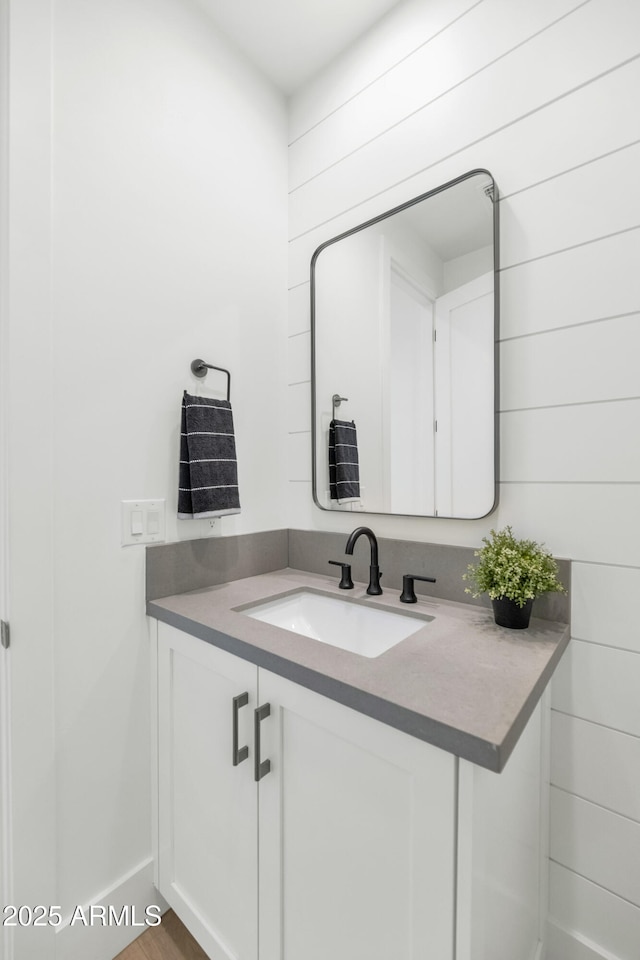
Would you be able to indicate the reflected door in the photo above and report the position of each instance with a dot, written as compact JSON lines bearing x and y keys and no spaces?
{"x":464,"y":373}
{"x":411,"y":403}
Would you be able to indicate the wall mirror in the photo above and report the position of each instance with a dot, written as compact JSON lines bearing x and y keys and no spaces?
{"x":404,"y":330}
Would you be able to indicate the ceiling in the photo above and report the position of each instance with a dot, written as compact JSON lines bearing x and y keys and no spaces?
{"x":291,"y":40}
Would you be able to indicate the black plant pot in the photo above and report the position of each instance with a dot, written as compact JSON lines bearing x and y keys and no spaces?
{"x":507,"y":613}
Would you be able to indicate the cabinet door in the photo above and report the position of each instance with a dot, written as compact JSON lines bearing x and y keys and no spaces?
{"x":207,"y":806}
{"x":357,"y":839}
{"x":502,"y":851}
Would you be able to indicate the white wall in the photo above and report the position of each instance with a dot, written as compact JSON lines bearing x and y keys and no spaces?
{"x":147,"y":183}
{"x":4,"y":438}
{"x":543,"y":93}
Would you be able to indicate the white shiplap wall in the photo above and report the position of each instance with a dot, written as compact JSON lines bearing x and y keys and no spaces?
{"x":543,"y":93}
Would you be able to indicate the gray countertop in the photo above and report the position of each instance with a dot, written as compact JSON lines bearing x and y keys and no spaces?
{"x":460,"y":682}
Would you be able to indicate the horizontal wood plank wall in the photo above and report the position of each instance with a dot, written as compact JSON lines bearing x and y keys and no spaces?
{"x":543,"y":93}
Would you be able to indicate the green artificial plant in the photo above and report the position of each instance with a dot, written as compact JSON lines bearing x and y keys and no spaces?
{"x":518,"y":570}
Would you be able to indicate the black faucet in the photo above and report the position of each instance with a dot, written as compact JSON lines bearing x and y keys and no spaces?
{"x":374,"y":589}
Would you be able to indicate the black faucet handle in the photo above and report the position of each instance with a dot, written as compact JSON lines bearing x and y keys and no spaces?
{"x":408,"y":594}
{"x":346,"y":583}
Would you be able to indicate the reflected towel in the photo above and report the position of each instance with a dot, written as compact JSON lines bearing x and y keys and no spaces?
{"x":208,"y":481}
{"x":344,"y":469}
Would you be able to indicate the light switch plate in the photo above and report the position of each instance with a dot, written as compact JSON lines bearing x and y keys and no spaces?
{"x":142,"y":521}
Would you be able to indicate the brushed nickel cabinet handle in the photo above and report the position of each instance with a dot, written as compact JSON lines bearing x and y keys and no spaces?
{"x":261,"y":767}
{"x":239,"y":753}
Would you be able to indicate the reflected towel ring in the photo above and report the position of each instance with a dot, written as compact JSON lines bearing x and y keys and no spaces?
{"x":336,"y":400}
{"x":199,"y":369}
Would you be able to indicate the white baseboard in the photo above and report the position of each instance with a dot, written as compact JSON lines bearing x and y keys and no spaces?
{"x":569,"y":945}
{"x":101,"y":940}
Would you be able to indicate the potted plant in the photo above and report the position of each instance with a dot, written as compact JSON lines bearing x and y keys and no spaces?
{"x":513,"y":573}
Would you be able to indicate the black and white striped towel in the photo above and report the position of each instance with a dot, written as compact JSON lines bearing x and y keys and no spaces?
{"x":208,"y":481}
{"x":344,"y":469}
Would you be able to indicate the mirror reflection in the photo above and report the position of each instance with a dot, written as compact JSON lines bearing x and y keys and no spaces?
{"x":404,"y":332}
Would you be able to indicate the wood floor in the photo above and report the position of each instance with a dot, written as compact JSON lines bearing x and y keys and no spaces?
{"x":170,"y":940}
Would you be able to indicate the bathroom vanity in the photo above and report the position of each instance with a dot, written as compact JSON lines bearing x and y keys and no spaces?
{"x":315,"y":803}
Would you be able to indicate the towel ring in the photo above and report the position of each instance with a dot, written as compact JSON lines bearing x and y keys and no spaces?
{"x":336,"y":400}
{"x":199,"y":369}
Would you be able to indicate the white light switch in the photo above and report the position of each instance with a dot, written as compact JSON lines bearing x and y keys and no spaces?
{"x":136,"y":523}
{"x":142,"y":521}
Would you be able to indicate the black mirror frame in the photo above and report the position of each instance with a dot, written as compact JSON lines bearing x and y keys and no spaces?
{"x":496,"y":330}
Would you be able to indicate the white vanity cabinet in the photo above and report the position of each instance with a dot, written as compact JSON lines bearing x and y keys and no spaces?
{"x":345,"y":848}
{"x":207,"y":815}
{"x":357,"y":835}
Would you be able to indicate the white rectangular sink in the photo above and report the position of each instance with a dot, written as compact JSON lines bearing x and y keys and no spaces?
{"x":351,"y":625}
